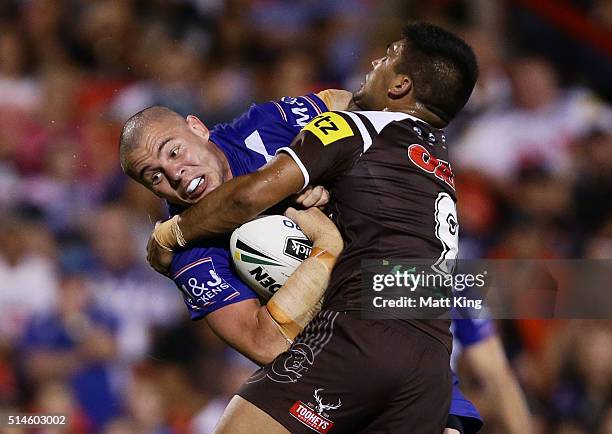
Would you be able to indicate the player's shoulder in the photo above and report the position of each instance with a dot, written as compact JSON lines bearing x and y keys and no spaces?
{"x":298,"y":110}
{"x":364,"y":126}
{"x":379,"y":120}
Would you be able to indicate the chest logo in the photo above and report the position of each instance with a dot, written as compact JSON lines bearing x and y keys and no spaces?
{"x":424,"y":160}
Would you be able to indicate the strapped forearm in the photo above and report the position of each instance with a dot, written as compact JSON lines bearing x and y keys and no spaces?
{"x":297,"y":302}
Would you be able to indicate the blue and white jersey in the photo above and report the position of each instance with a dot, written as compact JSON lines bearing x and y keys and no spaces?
{"x":251,"y":140}
{"x":204,"y":273}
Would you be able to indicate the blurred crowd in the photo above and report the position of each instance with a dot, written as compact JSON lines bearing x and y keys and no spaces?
{"x":87,"y":329}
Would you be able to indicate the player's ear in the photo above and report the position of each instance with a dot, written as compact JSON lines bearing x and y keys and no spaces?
{"x":198,"y":127}
{"x":400,"y":87}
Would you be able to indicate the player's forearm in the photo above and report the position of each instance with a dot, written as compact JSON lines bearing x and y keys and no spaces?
{"x":240,"y":199}
{"x":513,"y":407}
{"x":297,"y":302}
{"x":287,"y":313}
{"x":267,"y":341}
{"x":489,"y":362}
{"x":246,"y":326}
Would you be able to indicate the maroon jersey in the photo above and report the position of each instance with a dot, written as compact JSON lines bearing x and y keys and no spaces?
{"x":392,"y":196}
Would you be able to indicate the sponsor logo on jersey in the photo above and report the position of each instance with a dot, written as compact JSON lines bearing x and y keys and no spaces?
{"x":298,"y":248}
{"x":329,"y":127}
{"x":423,"y":159}
{"x":201,"y":290}
{"x":314,"y":416}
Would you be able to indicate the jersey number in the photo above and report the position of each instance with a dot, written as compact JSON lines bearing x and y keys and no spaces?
{"x":447,"y":231}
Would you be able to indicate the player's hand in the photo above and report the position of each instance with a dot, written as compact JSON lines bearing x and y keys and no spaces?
{"x":313,"y":196}
{"x":159,"y":257}
{"x":319,"y":228}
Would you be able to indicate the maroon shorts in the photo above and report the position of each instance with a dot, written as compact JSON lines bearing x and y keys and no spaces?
{"x":348,"y":375}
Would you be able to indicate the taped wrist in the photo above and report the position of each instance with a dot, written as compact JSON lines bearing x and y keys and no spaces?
{"x":295,"y":303}
{"x":324,"y":256}
{"x":168,"y":234}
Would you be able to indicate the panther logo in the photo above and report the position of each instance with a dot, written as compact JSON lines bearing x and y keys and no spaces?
{"x":289,"y":367}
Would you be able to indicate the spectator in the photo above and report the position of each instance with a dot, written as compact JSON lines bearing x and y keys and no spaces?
{"x":124,"y":285}
{"x":75,"y":343}
{"x":537,"y":131}
{"x":28,"y":280}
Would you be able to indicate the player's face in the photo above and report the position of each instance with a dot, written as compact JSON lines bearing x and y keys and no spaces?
{"x":374,"y":92}
{"x":177,"y":162}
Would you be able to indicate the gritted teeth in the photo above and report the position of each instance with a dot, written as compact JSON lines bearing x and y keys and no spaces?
{"x":193,"y":184}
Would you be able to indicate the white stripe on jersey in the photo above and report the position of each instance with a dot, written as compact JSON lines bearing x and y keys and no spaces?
{"x":312,"y":103}
{"x":280,"y":109}
{"x":367,"y":139}
{"x":381,"y":119}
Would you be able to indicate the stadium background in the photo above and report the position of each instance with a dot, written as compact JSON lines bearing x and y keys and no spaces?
{"x":86,"y":328}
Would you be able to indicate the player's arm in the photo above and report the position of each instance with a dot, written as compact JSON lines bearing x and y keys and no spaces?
{"x":262,"y":332}
{"x":326,"y":147}
{"x":234,"y":203}
{"x":489,"y":363}
{"x":241,"y":326}
{"x":335,"y":99}
{"x":224,"y":209}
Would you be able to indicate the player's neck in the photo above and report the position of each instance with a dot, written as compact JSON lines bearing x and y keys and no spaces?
{"x":419,"y":110}
{"x":416,"y":109}
{"x":227,"y":169}
{"x":425,"y":115}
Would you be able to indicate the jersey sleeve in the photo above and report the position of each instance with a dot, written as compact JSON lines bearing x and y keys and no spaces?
{"x":206,"y":280}
{"x":295,"y":112}
{"x":471,"y":331}
{"x":326,"y":147}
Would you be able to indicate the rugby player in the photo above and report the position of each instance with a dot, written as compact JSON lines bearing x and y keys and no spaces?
{"x":393,"y":196}
{"x":228,"y":305}
{"x":195,"y":162}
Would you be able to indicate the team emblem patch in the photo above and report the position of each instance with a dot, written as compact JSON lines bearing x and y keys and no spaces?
{"x":329,"y":127}
{"x":314,"y":416}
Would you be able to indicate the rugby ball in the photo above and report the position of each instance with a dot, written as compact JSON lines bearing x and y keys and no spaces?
{"x":266,"y":251}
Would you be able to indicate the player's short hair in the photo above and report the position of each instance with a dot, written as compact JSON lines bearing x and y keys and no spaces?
{"x":442,"y":67}
{"x":131,"y":133}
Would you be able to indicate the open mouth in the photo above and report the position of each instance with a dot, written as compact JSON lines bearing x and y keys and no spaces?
{"x":196,"y":187}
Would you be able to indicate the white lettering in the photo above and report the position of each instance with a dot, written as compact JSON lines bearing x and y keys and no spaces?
{"x":302,"y":121}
